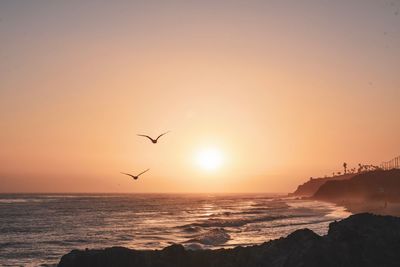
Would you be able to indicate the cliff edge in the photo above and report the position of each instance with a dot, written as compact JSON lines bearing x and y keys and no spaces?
{"x":310,"y":187}
{"x":377,"y":185}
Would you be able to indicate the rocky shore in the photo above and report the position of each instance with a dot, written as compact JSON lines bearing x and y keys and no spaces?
{"x":359,"y":240}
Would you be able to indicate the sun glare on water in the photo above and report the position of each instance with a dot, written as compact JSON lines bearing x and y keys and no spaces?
{"x":209,"y":159}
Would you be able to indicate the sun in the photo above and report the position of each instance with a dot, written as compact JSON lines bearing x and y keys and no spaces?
{"x":210,"y":158}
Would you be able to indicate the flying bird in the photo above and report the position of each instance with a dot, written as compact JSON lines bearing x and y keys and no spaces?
{"x":154,"y":141}
{"x":135,"y":177}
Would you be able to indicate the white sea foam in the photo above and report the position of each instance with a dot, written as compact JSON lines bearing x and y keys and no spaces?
{"x":13,"y":200}
{"x":211,"y":238}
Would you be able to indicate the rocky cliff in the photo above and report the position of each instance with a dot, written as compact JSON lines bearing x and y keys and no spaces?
{"x":368,"y":186}
{"x":310,"y":187}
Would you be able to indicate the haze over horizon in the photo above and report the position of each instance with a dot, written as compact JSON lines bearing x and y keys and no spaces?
{"x":258,"y":96}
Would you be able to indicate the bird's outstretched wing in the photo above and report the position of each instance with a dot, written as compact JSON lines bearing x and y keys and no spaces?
{"x":146,"y":137}
{"x":162,"y":135}
{"x":128,"y":174}
{"x":143,"y":172}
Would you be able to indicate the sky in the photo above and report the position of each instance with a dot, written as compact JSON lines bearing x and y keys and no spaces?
{"x":257,"y":95}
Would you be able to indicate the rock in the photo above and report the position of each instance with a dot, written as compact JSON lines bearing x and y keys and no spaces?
{"x":359,"y":240}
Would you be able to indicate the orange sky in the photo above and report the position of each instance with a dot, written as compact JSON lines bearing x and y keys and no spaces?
{"x":284,"y":90}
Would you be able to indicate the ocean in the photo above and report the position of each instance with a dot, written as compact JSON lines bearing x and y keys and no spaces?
{"x":37,"y":229}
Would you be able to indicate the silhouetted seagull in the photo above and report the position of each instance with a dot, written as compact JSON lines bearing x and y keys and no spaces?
{"x":154,"y":141}
{"x":135,"y":177}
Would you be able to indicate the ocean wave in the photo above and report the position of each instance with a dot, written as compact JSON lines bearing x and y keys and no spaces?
{"x":190,"y":228}
{"x":21,"y":200}
{"x":63,"y":242}
{"x":271,"y":205}
{"x":317,"y":221}
{"x":11,"y":244}
{"x":241,"y":221}
{"x":211,"y":238}
{"x":262,"y":210}
{"x":13,"y":200}
{"x":193,"y":246}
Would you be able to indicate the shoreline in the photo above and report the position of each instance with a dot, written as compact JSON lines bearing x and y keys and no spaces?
{"x":375,"y":192}
{"x":374,"y":207}
{"x":365,"y":206}
{"x":358,"y":240}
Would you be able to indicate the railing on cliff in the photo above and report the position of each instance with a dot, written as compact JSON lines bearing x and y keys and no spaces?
{"x":391,"y":164}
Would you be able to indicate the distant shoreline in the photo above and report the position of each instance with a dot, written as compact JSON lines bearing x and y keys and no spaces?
{"x":375,"y":207}
{"x":375,"y":192}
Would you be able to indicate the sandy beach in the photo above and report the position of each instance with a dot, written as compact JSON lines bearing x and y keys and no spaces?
{"x":375,"y":207}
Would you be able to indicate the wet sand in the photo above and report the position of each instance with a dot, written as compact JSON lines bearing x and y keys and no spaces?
{"x":375,"y":207}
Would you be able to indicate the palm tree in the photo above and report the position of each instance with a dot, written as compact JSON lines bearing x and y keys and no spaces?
{"x":345,"y":167}
{"x":360,"y":167}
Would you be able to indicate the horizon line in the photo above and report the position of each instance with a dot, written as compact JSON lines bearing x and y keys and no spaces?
{"x":158,"y":193}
